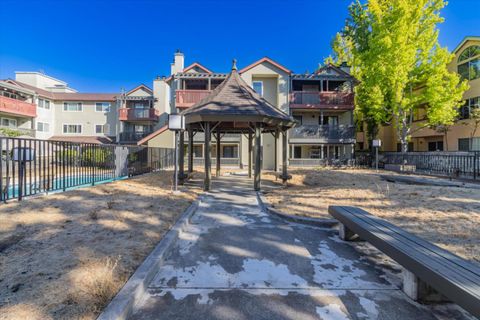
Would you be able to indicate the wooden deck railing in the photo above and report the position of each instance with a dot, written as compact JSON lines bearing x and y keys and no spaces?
{"x":17,"y":107}
{"x":130,"y":114}
{"x":187,"y":98}
{"x":321,"y":100}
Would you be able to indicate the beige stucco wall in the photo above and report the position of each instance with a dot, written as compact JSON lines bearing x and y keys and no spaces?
{"x":88,"y":118}
{"x":275,"y":91}
{"x":164,"y":140}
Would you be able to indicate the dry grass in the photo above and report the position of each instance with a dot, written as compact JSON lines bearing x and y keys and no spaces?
{"x":447,"y":216}
{"x":64,"y":256}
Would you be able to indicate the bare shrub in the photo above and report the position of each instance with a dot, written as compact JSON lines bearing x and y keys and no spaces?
{"x":96,"y":283}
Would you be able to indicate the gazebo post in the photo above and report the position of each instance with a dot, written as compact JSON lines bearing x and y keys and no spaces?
{"x":206,"y":185}
{"x":181,"y":158}
{"x":275,"y":166}
{"x":190,"y":150}
{"x":217,"y":172}
{"x":250,"y":149}
{"x":284,"y":156}
{"x":258,"y":155}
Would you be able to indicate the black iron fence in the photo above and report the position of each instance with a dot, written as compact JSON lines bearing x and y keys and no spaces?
{"x":30,"y":166}
{"x":453,"y":164}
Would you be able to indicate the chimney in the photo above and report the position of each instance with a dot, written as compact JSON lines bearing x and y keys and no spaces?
{"x":178,"y":62}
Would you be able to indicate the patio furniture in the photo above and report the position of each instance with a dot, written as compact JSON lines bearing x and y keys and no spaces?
{"x":430,"y":273}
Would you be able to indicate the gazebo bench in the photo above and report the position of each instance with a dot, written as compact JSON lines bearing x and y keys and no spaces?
{"x":430,"y":273}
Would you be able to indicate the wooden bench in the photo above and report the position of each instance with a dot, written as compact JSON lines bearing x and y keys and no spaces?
{"x":430,"y":273}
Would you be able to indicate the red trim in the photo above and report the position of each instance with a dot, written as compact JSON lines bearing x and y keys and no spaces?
{"x":153,"y":135}
{"x":196,"y":64}
{"x":138,"y":87}
{"x":265,"y":59}
{"x":339,"y":70}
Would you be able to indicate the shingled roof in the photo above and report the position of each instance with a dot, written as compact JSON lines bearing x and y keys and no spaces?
{"x":235,"y":101}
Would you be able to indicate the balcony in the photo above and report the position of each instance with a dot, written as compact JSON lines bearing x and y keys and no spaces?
{"x":132,"y":136}
{"x":322,"y":134}
{"x":17,"y":107}
{"x":187,"y":98}
{"x":130,"y":114}
{"x":321,"y":100}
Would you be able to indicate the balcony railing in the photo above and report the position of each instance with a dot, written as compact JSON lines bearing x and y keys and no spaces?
{"x":131,"y":114}
{"x":324,"y":133}
{"x":132,"y":136}
{"x":18,"y":107}
{"x":321,"y":100}
{"x":187,"y":98}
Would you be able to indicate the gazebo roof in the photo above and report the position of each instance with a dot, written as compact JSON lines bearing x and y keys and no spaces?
{"x":235,"y":102}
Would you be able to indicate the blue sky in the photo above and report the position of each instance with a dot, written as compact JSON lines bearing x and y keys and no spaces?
{"x":103,"y":46}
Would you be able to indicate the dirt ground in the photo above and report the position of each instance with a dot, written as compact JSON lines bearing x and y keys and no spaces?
{"x":64,"y":256}
{"x":447,"y":216}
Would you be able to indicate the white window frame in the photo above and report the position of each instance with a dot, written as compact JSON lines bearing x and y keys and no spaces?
{"x":68,"y":102}
{"x":106,"y":128}
{"x":253,"y":86}
{"x":42,"y":103}
{"x":103,"y":111}
{"x":43,"y":126}
{"x":9,"y":119}
{"x":72,"y":124}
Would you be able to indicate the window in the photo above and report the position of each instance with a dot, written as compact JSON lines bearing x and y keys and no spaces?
{"x":464,"y":112}
{"x":44,"y":104}
{"x":72,"y":106}
{"x":409,"y":147}
{"x":258,"y":87}
{"x":297,"y":152}
{"x":102,"y":129}
{"x":469,"y":68}
{"x":298,"y":118}
{"x":7,"y":122}
{"x":328,"y":120}
{"x":102,"y":106}
{"x":43,"y":127}
{"x":468,"y":53}
{"x":72,"y":128}
{"x":230,"y":152}
{"x":139,"y":105}
{"x":9,"y":95}
{"x":197,"y":151}
{"x":435,"y":146}
{"x":464,"y":144}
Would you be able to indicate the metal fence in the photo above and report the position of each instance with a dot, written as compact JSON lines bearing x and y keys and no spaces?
{"x":453,"y":164}
{"x":30,"y":166}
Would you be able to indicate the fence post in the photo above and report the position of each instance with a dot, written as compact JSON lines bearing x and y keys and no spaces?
{"x":475,"y":159}
{"x":63,"y":166}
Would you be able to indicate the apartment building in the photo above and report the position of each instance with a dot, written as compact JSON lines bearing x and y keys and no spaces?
{"x":461,"y":135}
{"x":44,"y":107}
{"x":40,"y":106}
{"x":321,"y":102}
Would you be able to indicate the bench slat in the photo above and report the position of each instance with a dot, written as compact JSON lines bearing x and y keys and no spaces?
{"x":448,"y":280}
{"x":470,"y":267}
{"x":431,"y":251}
{"x":407,"y":249}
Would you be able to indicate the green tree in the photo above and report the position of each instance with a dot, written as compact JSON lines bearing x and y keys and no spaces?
{"x":474,"y":124}
{"x":395,"y":54}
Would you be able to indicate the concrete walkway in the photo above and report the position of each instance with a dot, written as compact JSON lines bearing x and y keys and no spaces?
{"x":236,"y":262}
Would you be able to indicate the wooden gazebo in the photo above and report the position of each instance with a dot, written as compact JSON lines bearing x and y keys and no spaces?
{"x":234,"y":107}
